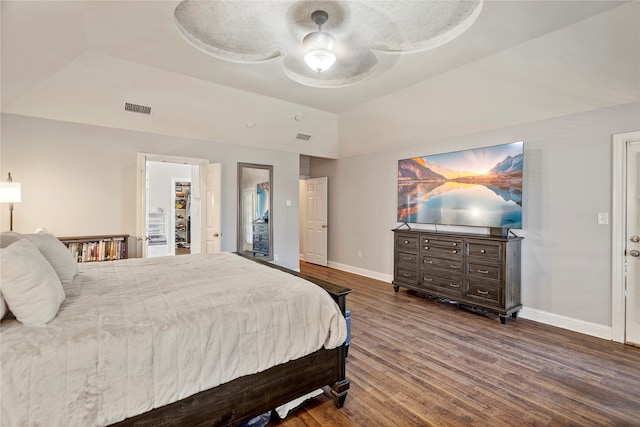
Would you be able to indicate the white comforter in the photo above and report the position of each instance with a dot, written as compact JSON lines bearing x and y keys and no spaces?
{"x":141,"y":333}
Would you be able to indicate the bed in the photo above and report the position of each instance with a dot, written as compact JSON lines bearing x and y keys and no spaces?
{"x":190,"y":340}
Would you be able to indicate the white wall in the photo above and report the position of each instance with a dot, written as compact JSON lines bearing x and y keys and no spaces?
{"x":160,"y":188}
{"x":81,"y":179}
{"x":567,"y":171}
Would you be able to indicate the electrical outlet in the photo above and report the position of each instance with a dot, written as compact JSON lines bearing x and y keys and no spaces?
{"x":603,"y":218}
{"x":275,"y":258}
{"x":359,"y":254}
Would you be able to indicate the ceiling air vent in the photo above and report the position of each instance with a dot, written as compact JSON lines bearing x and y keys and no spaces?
{"x":303,"y":137}
{"x":135,"y":108}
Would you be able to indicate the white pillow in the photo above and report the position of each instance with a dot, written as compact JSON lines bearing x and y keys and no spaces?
{"x":29,"y":284}
{"x":6,"y":239}
{"x":9,"y":237}
{"x":56,"y":253}
{"x":3,"y":306}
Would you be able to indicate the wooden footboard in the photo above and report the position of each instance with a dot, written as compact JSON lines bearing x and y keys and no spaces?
{"x":246,"y":397}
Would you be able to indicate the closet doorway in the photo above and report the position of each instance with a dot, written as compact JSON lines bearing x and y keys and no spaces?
{"x":170,"y":208}
{"x":181,"y":216}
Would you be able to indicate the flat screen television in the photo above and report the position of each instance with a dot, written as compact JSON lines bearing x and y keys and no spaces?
{"x":480,"y":187}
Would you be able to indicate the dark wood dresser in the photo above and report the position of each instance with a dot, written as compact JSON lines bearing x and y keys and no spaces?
{"x":261,"y":238}
{"x":475,"y":270}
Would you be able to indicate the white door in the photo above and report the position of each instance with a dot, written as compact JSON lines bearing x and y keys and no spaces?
{"x":315,"y":220}
{"x":632,"y":249}
{"x":212,"y":208}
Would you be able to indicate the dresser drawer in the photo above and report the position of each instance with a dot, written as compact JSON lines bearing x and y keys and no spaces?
{"x":486,"y":251}
{"x":442,"y":242}
{"x":407,"y":275}
{"x":261,"y":246}
{"x":487,"y":292}
{"x":407,"y":243}
{"x":449,"y":285}
{"x":453,"y":266}
{"x":483,"y":271}
{"x":408,"y":258}
{"x":442,"y":252}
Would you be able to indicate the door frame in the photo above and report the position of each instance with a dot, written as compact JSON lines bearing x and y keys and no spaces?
{"x":141,"y":195}
{"x":618,"y":233}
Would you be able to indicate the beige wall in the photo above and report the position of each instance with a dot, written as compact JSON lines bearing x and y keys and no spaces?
{"x":567,"y":171}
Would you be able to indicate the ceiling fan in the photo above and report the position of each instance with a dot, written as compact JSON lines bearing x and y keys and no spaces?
{"x":345,"y":52}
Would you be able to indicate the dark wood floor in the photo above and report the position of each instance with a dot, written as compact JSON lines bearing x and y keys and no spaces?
{"x":416,"y":362}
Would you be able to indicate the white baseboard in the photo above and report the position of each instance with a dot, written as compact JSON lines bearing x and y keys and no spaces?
{"x":576,"y":325}
{"x":362,"y":272}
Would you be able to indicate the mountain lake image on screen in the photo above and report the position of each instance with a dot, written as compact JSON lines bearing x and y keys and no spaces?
{"x":478,"y":187}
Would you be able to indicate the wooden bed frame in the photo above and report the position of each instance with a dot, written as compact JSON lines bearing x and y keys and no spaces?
{"x":246,"y":397}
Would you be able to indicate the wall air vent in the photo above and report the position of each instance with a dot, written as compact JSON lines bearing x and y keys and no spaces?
{"x":303,"y":137}
{"x":135,"y":108}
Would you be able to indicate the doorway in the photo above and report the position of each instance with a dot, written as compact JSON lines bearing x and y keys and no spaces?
{"x":171,"y":219}
{"x":626,"y":238}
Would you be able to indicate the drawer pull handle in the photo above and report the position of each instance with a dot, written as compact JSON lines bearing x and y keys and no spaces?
{"x":406,"y":274}
{"x":454,"y":266}
{"x":428,"y":280}
{"x":483,"y":271}
{"x":482,"y":251}
{"x":406,"y":258}
{"x":426,"y":248}
{"x":454,"y":285}
{"x":428,"y":262}
{"x":481,"y":292}
{"x":455,"y":244}
{"x":426,"y":240}
{"x":406,"y":242}
{"x":454,"y":251}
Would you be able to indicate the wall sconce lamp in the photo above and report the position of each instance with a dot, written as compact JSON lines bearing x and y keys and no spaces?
{"x":10,"y":193}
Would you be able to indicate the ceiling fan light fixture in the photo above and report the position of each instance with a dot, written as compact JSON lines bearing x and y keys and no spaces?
{"x":319,"y":58}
